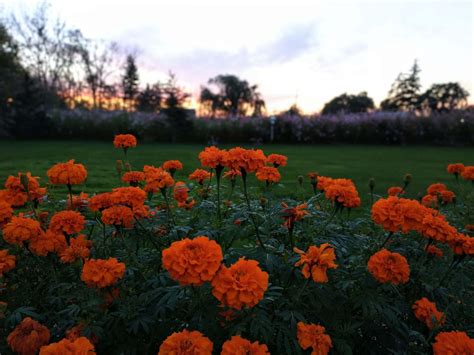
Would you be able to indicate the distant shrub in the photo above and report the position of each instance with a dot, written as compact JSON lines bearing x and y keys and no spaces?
{"x":453,"y":128}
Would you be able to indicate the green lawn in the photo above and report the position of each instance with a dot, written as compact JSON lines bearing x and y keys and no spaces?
{"x":386,"y":164}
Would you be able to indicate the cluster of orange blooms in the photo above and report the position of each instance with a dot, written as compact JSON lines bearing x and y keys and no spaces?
{"x":466,"y":172}
{"x":200,"y":260}
{"x":437,"y":193}
{"x":196,"y":261}
{"x":30,"y":336}
{"x":342,"y":192}
{"x":20,"y":189}
{"x":396,"y":214}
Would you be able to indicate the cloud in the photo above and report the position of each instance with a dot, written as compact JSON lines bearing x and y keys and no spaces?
{"x":200,"y":64}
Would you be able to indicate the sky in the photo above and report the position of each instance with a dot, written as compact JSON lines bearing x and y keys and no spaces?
{"x":297,"y":51}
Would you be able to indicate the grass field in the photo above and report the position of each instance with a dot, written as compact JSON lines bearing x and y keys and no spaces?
{"x":386,"y":164}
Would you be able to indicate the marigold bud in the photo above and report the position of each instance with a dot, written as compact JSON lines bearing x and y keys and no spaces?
{"x":371,"y":184}
{"x":300,"y":180}
{"x":407,"y":179}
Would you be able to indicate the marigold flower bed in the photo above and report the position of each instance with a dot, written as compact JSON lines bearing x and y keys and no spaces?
{"x":212,"y":264}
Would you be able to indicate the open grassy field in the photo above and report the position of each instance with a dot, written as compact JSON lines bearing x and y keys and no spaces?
{"x":384,"y":163}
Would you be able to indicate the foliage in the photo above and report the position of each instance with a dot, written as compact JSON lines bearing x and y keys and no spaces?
{"x":405,"y":91}
{"x":349,"y":104}
{"x":130,"y":81}
{"x":444,"y":97}
{"x":233,"y":97}
{"x":145,"y":305}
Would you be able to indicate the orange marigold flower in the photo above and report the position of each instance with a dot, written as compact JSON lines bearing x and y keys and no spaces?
{"x":157,"y":179}
{"x":187,"y":205}
{"x":426,"y":312}
{"x":14,"y":198}
{"x":396,"y":214}
{"x":78,"y":202}
{"x":232,"y":174}
{"x":323,"y":182}
{"x":462,"y":244}
{"x":435,"y":226}
{"x":243,"y":284}
{"x":7,"y":262}
{"x":193,"y":261}
{"x":6,"y":212}
{"x":241,"y":346}
{"x":277,"y":160}
{"x":455,"y":169}
{"x":68,"y":222}
{"x":48,"y":242}
{"x":28,"y":337}
{"x":394,"y":191}
{"x":199,"y":175}
{"x":434,"y":251}
{"x":268,"y":174}
{"x":172,"y":165}
{"x":453,"y":343}
{"x":80,"y":346}
{"x":469,"y":227}
{"x":293,"y":214}
{"x":16,"y":184}
{"x":125,"y":141}
{"x":313,"y":336}
{"x":100,"y":201}
{"x":316,"y":261}
{"x":118,"y":216}
{"x":79,"y":248}
{"x":435,"y":189}
{"x":213,"y":157}
{"x":21,"y":229}
{"x":248,"y":160}
{"x":186,"y":342}
{"x":343,"y":192}
{"x":468,"y":173}
{"x":180,"y":192}
{"x":67,"y":173}
{"x":447,"y":196}
{"x":102,"y":272}
{"x":386,"y":266}
{"x":430,"y":201}
{"x":128,"y":196}
{"x":133,"y":177}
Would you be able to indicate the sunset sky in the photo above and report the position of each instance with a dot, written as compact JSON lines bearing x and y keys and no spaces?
{"x":296,"y":51}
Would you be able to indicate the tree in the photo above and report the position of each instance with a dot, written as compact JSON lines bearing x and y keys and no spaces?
{"x":149,"y":99}
{"x":404,"y":94}
{"x":229,"y":95}
{"x":175,"y":99}
{"x":130,"y":82}
{"x":10,"y":71}
{"x":99,"y":61}
{"x":444,"y":97}
{"x":349,"y":104}
{"x":49,"y":51}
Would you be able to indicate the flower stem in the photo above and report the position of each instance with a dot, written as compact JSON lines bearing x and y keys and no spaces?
{"x":244,"y":180}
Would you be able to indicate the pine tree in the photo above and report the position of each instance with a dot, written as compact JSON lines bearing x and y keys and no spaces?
{"x":130,"y":82}
{"x":404,"y":94}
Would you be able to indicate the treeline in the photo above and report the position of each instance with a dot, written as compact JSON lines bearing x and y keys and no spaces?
{"x":46,"y":66}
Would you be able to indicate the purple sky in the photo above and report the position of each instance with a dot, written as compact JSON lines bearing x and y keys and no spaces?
{"x":296,"y":51}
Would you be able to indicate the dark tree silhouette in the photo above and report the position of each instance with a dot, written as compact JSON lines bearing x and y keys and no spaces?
{"x":149,"y":99}
{"x":175,"y":99}
{"x":444,"y":97}
{"x":229,"y":95}
{"x":349,"y":104}
{"x":405,"y":92}
{"x":130,"y":82}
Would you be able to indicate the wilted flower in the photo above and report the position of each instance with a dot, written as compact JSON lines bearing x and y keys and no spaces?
{"x":28,"y":337}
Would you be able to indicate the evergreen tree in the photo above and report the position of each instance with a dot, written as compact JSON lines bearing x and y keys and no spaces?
{"x":404,"y":94}
{"x":130,"y":82}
